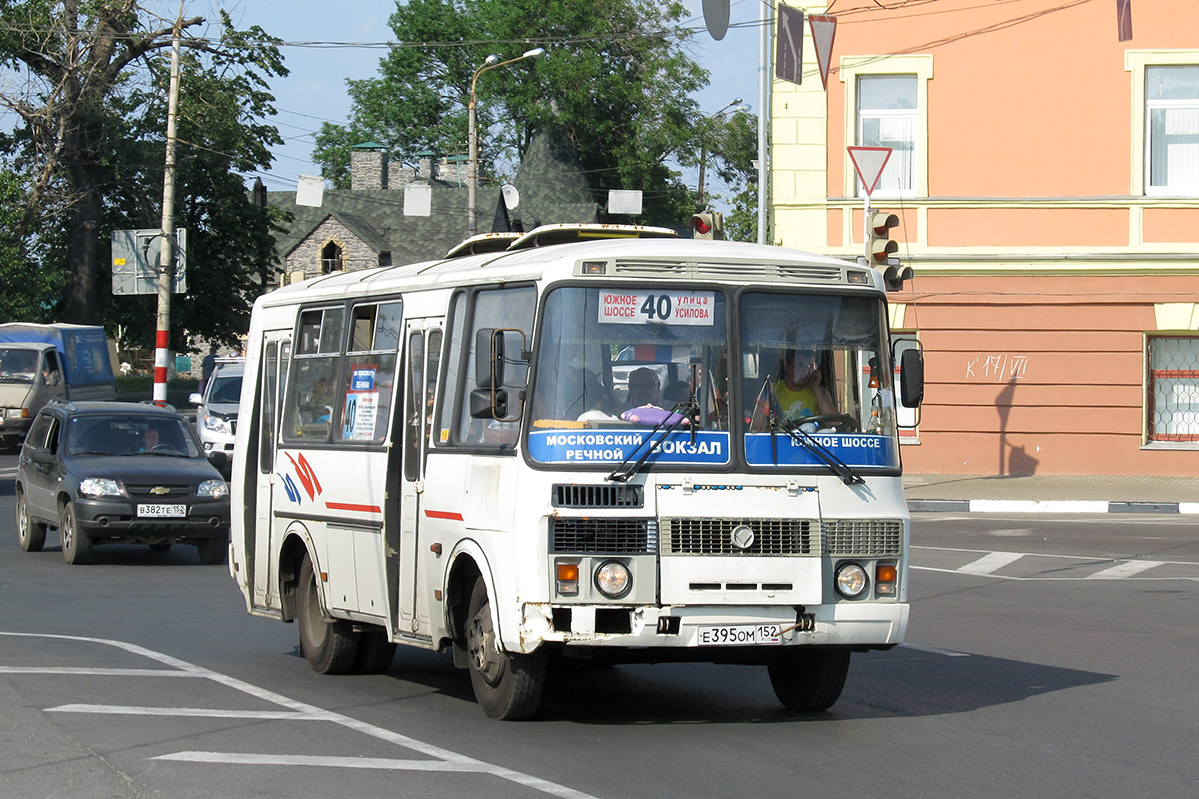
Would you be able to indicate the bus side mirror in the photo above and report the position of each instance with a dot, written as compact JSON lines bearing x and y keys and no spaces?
{"x":489,"y":358}
{"x":911,"y":378}
{"x":486,"y":403}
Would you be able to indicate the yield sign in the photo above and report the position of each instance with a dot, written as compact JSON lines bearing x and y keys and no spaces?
{"x":868,"y":162}
{"x":824,"y":30}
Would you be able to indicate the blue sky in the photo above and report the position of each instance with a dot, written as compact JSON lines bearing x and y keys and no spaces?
{"x":315,"y":90}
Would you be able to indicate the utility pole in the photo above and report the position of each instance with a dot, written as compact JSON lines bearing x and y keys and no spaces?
{"x":166,"y":255}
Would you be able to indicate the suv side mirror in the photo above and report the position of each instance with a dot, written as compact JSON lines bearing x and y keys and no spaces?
{"x":196,"y":398}
{"x":41,"y":456}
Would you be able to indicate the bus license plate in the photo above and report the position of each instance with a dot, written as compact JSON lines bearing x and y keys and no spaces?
{"x":740,"y":634}
{"x":162,"y":511}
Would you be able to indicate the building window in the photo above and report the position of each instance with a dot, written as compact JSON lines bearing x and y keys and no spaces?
{"x":887,"y":117}
{"x":330,"y":258}
{"x":1173,"y":389}
{"x":1172,"y":130}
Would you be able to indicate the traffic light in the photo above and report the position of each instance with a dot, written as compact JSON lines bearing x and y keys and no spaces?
{"x":879,"y":246}
{"x":880,"y":250}
{"x":707,"y":226}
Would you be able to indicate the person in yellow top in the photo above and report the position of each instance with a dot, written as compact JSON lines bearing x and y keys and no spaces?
{"x":798,"y":390}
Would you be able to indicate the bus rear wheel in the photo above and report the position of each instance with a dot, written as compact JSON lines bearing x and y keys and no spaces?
{"x":507,"y":686}
{"x":329,"y":645}
{"x":809,"y":679}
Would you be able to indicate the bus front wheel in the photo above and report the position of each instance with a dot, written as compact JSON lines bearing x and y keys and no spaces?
{"x":507,"y":686}
{"x":329,"y":645}
{"x":809,"y":679}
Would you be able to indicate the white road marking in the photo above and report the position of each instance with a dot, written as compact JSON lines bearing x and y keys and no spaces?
{"x":934,"y":651}
{"x":193,"y":712}
{"x":443,"y":759}
{"x":1124,"y":569}
{"x":384,"y":763}
{"x":991,"y":562}
{"x":88,"y":672}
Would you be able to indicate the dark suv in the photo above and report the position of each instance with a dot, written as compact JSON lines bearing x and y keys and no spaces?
{"x":117,"y":472}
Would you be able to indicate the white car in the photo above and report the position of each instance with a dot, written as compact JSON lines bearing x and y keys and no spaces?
{"x":216,"y":418}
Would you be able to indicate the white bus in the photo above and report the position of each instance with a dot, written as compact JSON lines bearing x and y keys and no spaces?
{"x":587,"y":442}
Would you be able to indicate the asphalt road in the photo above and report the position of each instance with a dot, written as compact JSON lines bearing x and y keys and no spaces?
{"x":1046,"y":657}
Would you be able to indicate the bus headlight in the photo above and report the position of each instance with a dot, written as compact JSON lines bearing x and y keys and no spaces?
{"x":613,"y":579}
{"x":851,"y":580}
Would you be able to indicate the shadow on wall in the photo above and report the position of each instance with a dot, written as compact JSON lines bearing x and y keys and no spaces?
{"x":1013,"y":461}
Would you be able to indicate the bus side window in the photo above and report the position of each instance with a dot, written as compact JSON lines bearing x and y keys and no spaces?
{"x":507,"y":308}
{"x":310,"y":406}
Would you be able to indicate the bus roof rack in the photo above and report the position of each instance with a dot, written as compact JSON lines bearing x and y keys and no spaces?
{"x":547,"y":235}
{"x":484,"y":242}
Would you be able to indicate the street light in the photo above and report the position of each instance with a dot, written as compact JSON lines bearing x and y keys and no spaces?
{"x":491,"y":62}
{"x":736,"y":107}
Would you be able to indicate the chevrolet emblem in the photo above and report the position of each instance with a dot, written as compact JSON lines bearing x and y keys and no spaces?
{"x":160,"y":490}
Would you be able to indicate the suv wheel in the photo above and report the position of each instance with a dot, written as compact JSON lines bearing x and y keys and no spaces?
{"x":30,"y":534}
{"x":76,"y":546}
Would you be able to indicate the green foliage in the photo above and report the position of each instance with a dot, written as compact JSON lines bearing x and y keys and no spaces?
{"x":92,"y":160}
{"x":733,"y":147}
{"x":616,"y":79}
{"x":29,"y":292}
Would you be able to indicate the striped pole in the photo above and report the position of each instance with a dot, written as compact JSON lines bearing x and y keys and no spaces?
{"x":166,"y":256}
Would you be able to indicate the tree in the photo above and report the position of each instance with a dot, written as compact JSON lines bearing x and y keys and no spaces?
{"x":732,"y":145}
{"x":29,"y":293}
{"x":89,"y":95}
{"x":616,"y":80}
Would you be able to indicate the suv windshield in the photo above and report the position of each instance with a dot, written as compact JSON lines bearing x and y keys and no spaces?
{"x":226,"y":389}
{"x":17,"y":365}
{"x":131,"y":434}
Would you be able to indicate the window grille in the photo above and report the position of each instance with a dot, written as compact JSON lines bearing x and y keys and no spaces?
{"x":1173,"y":389}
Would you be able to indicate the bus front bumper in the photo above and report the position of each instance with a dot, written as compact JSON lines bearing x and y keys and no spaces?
{"x":854,"y":624}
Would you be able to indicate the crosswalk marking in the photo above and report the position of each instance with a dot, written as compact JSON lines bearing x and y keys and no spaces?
{"x":992,"y":561}
{"x":1125,"y":569}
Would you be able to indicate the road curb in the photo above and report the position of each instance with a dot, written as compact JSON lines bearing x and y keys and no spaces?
{"x":1047,"y":506}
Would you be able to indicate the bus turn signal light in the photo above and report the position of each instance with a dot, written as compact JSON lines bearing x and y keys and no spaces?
{"x":885,"y":577}
{"x":568,"y":579}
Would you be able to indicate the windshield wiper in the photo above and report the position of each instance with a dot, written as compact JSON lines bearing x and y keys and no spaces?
{"x":806,"y":439}
{"x":625,"y":470}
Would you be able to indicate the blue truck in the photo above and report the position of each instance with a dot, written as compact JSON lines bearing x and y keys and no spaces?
{"x":39,"y":363}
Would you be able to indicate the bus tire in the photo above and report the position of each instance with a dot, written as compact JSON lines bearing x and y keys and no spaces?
{"x":30,"y":534}
{"x":507,"y":686}
{"x":76,"y":546}
{"x":375,"y":652}
{"x":329,"y":646}
{"x":809,"y":679}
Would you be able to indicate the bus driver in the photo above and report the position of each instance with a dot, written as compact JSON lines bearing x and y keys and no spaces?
{"x":798,"y":389}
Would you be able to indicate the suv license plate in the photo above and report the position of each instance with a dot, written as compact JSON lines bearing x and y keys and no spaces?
{"x":162,"y":511}
{"x":740,"y":634}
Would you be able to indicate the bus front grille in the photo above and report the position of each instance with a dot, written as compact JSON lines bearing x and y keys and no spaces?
{"x":603,"y":536}
{"x":715,"y":536}
{"x":862,"y":536}
{"x":570,"y":495}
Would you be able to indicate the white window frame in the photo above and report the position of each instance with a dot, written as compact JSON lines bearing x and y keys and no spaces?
{"x":854,"y":67}
{"x":1138,"y":63}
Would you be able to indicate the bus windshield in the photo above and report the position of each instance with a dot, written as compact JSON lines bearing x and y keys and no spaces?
{"x":625,"y":368}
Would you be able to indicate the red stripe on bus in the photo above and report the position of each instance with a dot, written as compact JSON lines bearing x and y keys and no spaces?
{"x":352,"y":506}
{"x":443,"y":514}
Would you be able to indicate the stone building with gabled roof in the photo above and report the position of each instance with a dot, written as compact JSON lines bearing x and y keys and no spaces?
{"x":370,"y":225}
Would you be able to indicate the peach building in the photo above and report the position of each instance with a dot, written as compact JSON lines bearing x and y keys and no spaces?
{"x":1046,"y":179}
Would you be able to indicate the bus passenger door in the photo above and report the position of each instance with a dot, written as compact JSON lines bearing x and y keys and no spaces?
{"x":276,"y":349}
{"x":421,"y":353}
